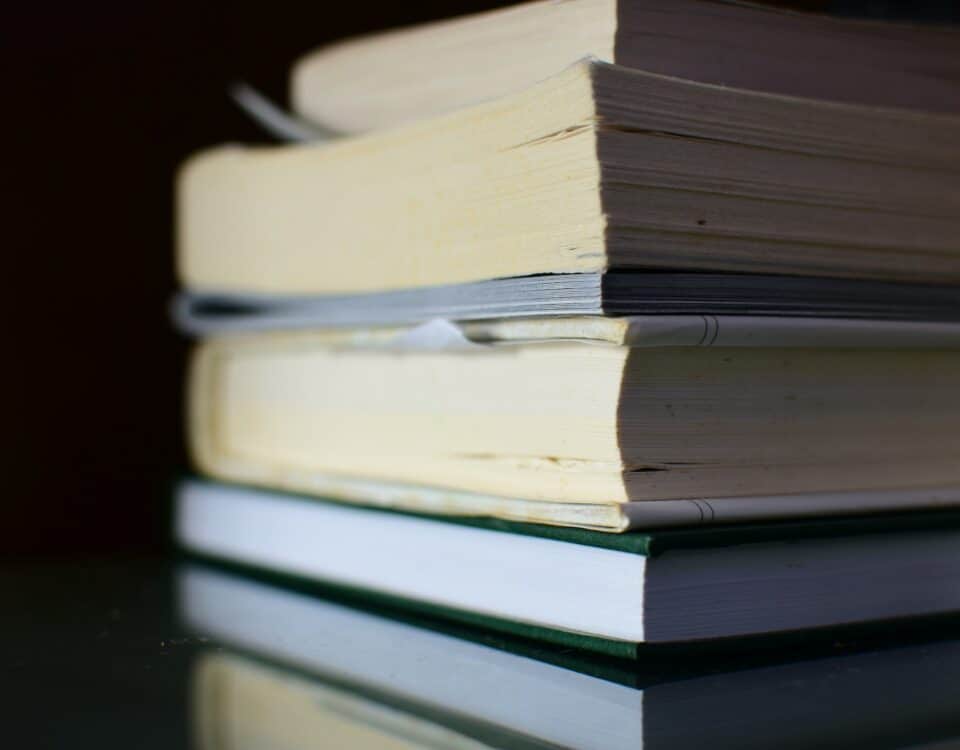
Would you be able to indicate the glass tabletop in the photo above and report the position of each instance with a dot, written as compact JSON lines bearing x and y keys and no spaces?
{"x":171,"y":653}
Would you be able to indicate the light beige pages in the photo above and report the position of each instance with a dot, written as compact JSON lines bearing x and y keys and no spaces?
{"x":591,"y":422}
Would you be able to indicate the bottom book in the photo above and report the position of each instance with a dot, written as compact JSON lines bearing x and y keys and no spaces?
{"x":588,"y":589}
{"x":303,"y":672}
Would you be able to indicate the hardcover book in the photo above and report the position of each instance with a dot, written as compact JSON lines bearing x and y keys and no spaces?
{"x":586,"y":589}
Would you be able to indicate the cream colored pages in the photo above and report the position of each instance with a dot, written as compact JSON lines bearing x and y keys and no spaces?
{"x":468,"y":196}
{"x":535,"y":39}
{"x":559,"y":422}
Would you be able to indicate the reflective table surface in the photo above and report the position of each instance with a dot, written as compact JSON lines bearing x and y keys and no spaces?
{"x":175,"y":653}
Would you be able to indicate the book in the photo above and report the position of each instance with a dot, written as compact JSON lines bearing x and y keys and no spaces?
{"x":590,"y":421}
{"x":385,"y":79}
{"x":598,"y":168}
{"x":588,"y":589}
{"x":297,"y":668}
{"x":567,"y":294}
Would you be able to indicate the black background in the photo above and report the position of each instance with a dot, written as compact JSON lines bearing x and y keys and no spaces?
{"x":101,"y":102}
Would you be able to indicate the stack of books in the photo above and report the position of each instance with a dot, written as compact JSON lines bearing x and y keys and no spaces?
{"x":661,"y":345}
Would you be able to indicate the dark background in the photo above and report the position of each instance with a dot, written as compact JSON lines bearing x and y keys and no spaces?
{"x":102,"y":101}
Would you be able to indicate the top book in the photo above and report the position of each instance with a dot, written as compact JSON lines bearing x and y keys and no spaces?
{"x":402,"y":75}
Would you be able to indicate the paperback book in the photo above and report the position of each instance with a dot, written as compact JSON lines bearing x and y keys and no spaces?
{"x":596,"y":422}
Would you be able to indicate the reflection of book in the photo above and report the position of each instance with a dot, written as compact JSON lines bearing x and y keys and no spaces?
{"x":242,"y":705}
{"x":404,"y":74}
{"x":886,"y":698}
{"x":590,"y":589}
{"x":408,"y":663}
